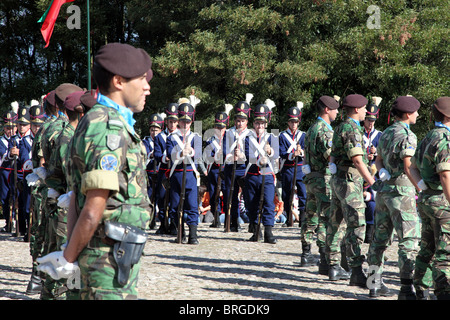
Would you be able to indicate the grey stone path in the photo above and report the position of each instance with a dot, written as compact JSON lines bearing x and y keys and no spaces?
{"x":224,"y":266}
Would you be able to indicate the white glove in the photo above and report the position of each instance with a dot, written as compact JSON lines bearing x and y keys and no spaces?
{"x":422,"y":185}
{"x":332,"y":167}
{"x":306,"y":169}
{"x":56,"y":266}
{"x":64,"y":200}
{"x":32,"y":178}
{"x":41,"y":172}
{"x":28,"y":165}
{"x":384,"y":174}
{"x":52,"y":193}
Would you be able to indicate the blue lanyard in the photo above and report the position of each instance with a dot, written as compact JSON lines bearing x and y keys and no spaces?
{"x":126,"y":113}
{"x":327,"y":124}
{"x":441,"y":125}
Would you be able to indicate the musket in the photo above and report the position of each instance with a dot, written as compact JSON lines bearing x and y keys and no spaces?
{"x":230,"y":195}
{"x":291,"y":196}
{"x":166,"y":205}
{"x":216,"y":198}
{"x":14,"y":209}
{"x":180,"y":205}
{"x":153,"y":197}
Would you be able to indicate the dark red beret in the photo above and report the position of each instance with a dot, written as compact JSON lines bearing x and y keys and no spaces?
{"x":89,"y":99}
{"x":124,"y":60}
{"x":73,"y":100}
{"x":355,"y":101}
{"x":407,"y":104}
{"x":443,"y":105}
{"x":63,"y":90}
{"x":329,"y":102}
{"x":50,"y":98}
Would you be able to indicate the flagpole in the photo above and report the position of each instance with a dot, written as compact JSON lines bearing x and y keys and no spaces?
{"x":88,"y":47}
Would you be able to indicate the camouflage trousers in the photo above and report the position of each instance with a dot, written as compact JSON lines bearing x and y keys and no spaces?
{"x":56,"y":235}
{"x":318,"y":201}
{"x":434,"y":253}
{"x":35,"y":205}
{"x":99,"y":274}
{"x":396,"y":209}
{"x":347,"y":207}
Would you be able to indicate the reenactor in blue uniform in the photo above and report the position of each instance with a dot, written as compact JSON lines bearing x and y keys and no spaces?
{"x":23,"y":151}
{"x":161,"y":157}
{"x":234,"y":167}
{"x":261,"y":151}
{"x":184,"y":147}
{"x":156,"y":125}
{"x":213,"y":158}
{"x":6,"y":164}
{"x":292,"y":143}
{"x":371,"y":138}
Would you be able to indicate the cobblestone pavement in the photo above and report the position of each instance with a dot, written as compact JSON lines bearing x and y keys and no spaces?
{"x":224,"y":266}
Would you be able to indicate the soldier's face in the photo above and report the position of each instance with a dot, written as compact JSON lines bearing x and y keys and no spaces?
{"x":293,"y":125}
{"x":34,"y":128}
{"x":368,"y":124}
{"x":362,"y":113}
{"x":9,"y":131}
{"x":154,"y":131}
{"x":413,"y":117}
{"x":134,"y":92}
{"x":240,"y":123}
{"x":333,"y":114}
{"x":172,"y":124}
{"x":184,"y":125}
{"x":219,"y":130}
{"x":23,"y":128}
{"x":259,"y":126}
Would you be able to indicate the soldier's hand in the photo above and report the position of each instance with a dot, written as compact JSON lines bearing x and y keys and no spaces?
{"x":14,"y":151}
{"x":237,"y":154}
{"x":268,"y":149}
{"x":56,"y":266}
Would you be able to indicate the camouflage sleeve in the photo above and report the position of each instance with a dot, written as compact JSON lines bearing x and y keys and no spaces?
{"x":99,"y":152}
{"x":443,"y":155}
{"x":353,"y":142}
{"x":408,"y":146}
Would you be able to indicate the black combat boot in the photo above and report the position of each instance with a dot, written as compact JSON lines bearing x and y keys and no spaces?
{"x":407,"y":291}
{"x":336,"y":272}
{"x":234,"y":225}
{"x":268,"y":236}
{"x":253,"y":227}
{"x":192,"y":239}
{"x":358,"y":277}
{"x":378,"y":288}
{"x":344,"y":261}
{"x":35,"y":283}
{"x":307,"y":259}
{"x":369,"y":233}
{"x":422,"y":294}
{"x":323,"y":265}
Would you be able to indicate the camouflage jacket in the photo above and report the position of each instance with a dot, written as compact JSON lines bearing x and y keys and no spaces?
{"x":56,"y":169}
{"x":396,"y":143}
{"x":433,"y":156}
{"x":106,"y":154}
{"x":49,"y":137}
{"x":318,"y":142}
{"x":36,"y":148}
{"x":348,"y":142}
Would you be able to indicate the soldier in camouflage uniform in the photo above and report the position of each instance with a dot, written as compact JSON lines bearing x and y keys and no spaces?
{"x":318,"y":141}
{"x":52,"y":239}
{"x":110,"y":208}
{"x":395,"y":202}
{"x":432,"y":159}
{"x":56,"y":180}
{"x":349,"y":158}
{"x":37,"y":186}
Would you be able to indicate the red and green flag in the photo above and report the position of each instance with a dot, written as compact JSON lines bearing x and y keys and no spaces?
{"x":49,"y":19}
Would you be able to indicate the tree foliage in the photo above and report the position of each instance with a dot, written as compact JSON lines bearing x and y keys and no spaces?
{"x":285,"y":50}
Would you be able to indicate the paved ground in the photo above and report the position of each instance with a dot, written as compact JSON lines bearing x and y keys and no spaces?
{"x":224,"y":266}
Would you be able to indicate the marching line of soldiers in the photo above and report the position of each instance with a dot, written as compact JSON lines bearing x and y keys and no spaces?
{"x":95,"y":187}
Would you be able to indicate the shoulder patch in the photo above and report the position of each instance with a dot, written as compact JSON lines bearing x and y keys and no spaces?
{"x":109,"y":162}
